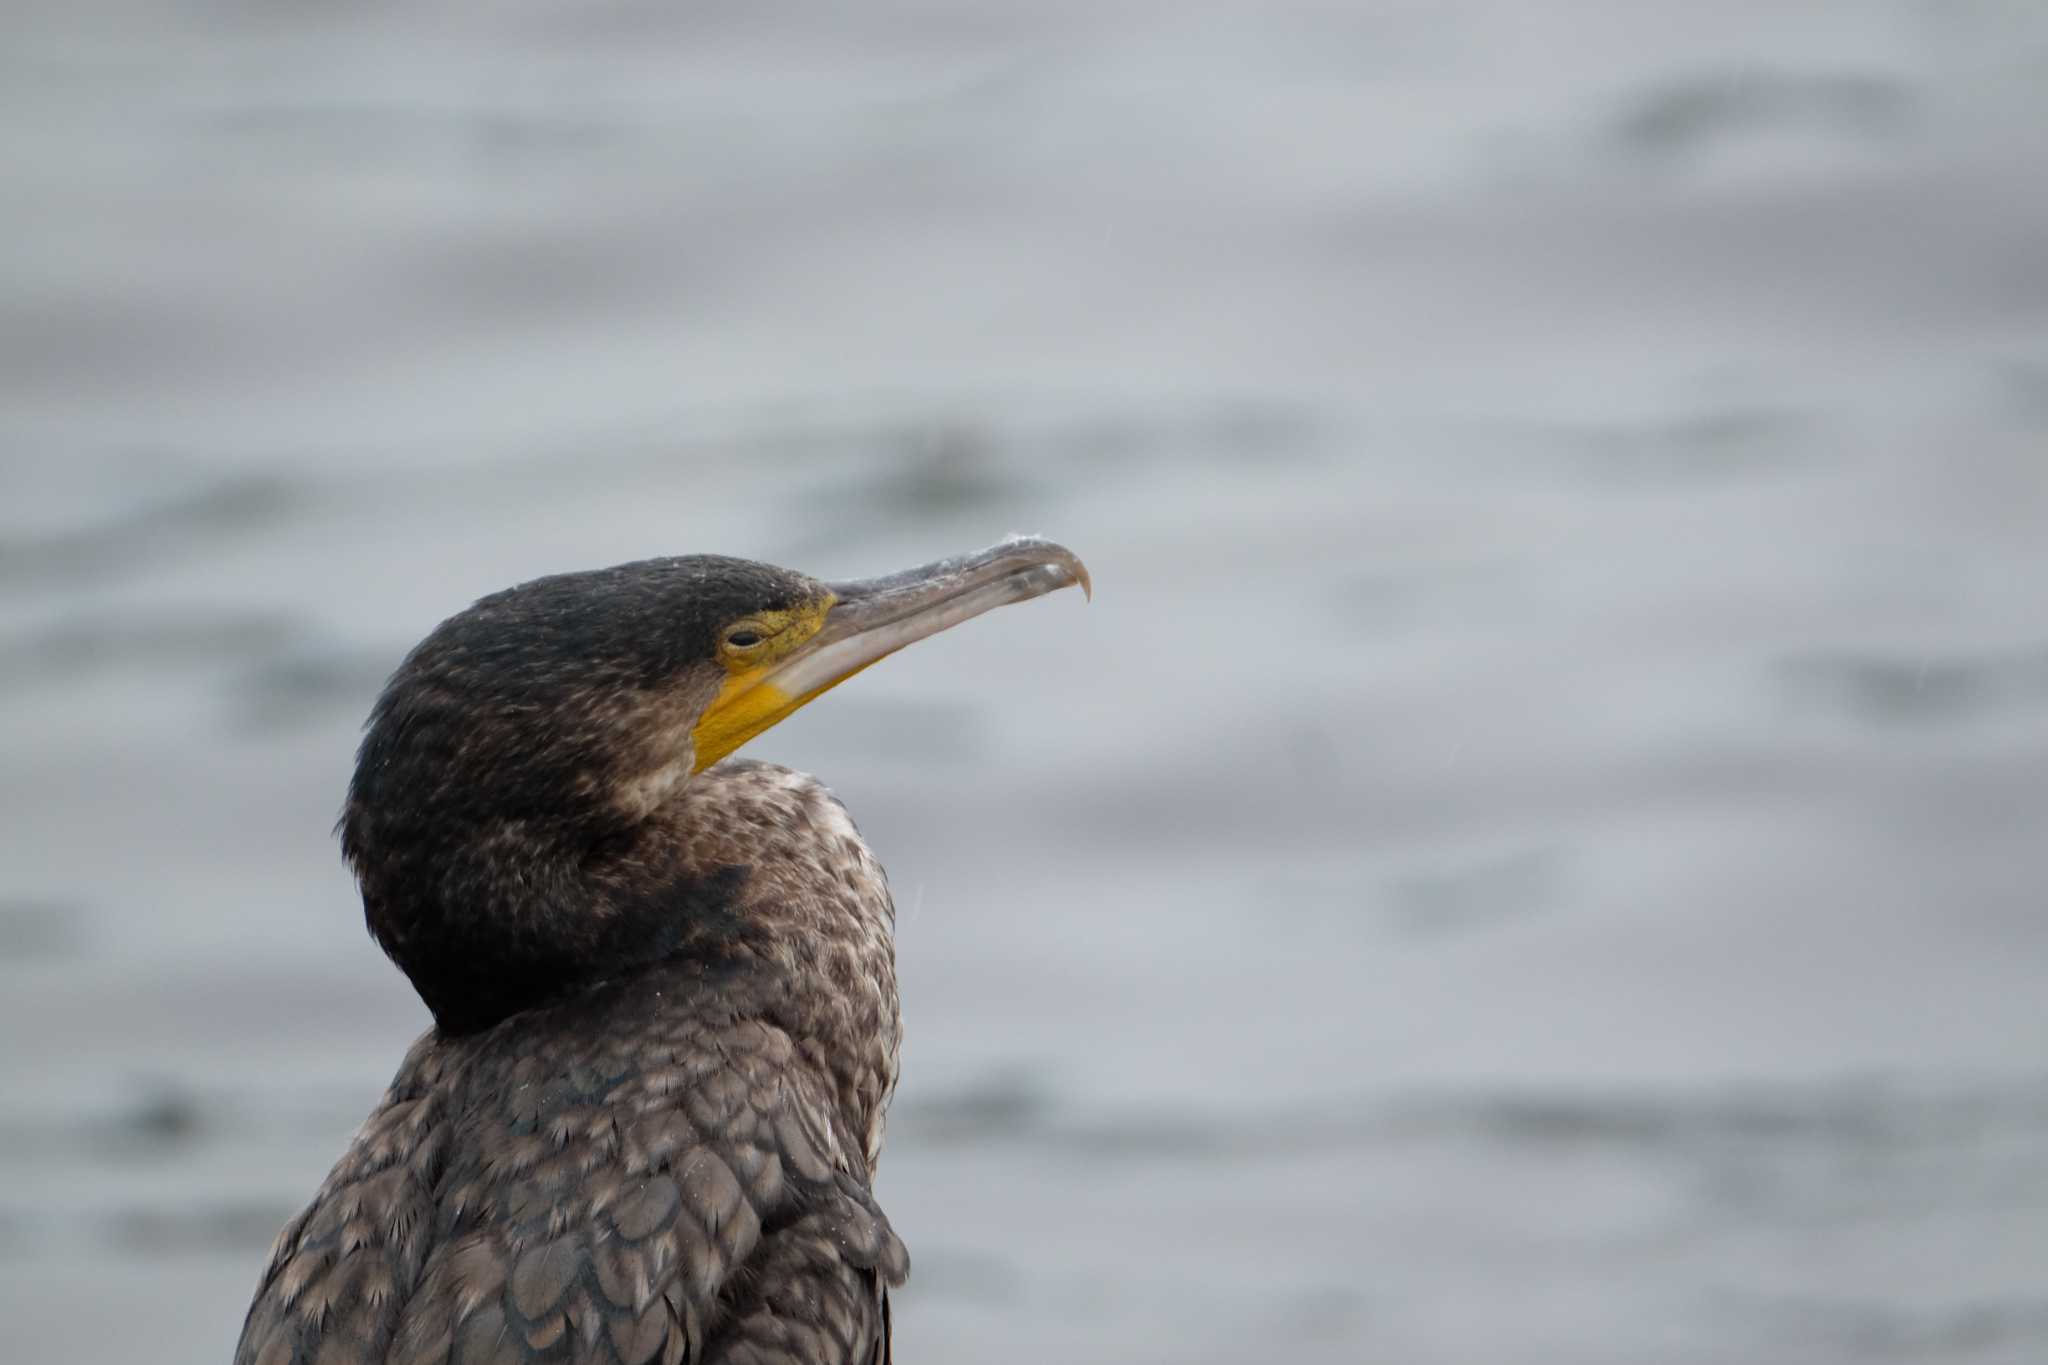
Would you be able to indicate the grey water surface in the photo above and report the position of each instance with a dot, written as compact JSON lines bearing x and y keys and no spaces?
{"x":1537,"y":850}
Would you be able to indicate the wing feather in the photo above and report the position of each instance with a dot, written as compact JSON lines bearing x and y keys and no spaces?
{"x":655,"y":1177}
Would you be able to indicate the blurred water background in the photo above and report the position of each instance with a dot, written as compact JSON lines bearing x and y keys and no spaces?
{"x":1536,"y":851}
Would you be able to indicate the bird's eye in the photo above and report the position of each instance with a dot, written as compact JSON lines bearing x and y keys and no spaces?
{"x":743,"y":638}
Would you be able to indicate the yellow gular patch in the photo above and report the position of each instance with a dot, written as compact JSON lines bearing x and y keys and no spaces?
{"x":748,"y":703}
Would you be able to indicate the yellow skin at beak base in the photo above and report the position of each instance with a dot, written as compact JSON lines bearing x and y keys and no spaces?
{"x":748,"y":702}
{"x":745,"y":706}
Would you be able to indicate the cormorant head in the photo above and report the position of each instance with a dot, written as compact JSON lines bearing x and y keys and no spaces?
{"x":506,"y":819}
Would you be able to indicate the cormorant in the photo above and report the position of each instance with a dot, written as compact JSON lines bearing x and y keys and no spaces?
{"x":644,"y":1124}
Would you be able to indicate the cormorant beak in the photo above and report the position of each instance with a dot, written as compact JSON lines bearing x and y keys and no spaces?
{"x":869,"y":619}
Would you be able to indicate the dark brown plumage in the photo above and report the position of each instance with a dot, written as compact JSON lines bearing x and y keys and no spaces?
{"x":645,"y":1125}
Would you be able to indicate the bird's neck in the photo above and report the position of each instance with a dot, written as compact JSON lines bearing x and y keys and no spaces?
{"x":745,"y":864}
{"x":490,"y":922}
{"x":816,"y":908}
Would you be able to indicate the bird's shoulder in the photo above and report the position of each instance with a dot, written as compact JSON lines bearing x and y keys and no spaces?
{"x":650,"y":1172}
